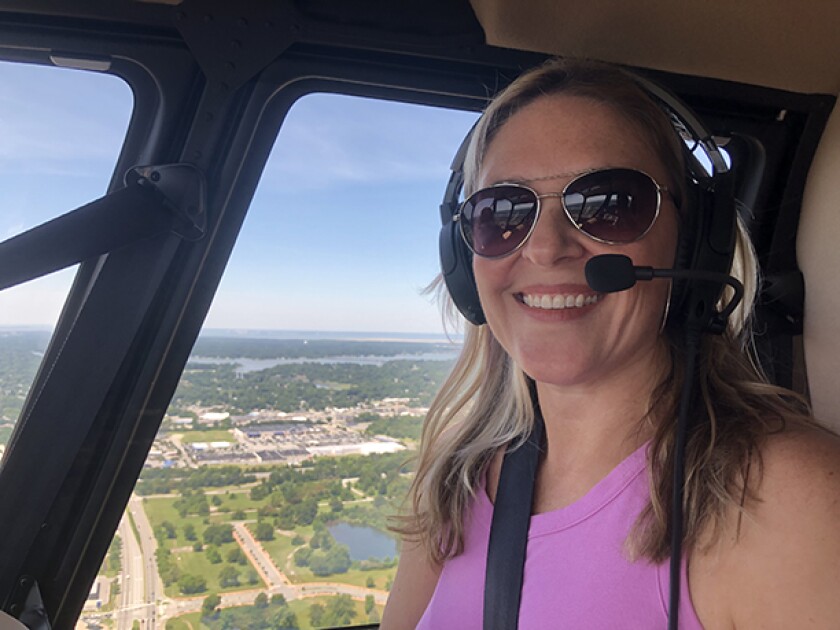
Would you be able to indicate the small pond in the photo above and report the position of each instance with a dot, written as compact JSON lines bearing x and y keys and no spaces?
{"x":364,"y":542}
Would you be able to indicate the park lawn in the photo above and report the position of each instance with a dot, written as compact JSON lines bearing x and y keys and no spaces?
{"x":279,"y":549}
{"x":196,"y":563}
{"x":356,"y":577}
{"x":160,"y":510}
{"x":237,"y":498}
{"x":190,"y":621}
{"x":214,"y":435}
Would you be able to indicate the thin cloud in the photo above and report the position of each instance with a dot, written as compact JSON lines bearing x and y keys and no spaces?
{"x":60,"y":122}
{"x":330,"y":140}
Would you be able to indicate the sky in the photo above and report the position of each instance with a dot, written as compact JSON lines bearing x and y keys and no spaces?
{"x":342,"y":232}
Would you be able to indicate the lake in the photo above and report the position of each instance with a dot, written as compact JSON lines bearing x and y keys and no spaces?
{"x":255,"y":365}
{"x":364,"y":542}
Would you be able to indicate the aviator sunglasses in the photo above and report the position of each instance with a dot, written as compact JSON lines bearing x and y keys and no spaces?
{"x":612,"y":205}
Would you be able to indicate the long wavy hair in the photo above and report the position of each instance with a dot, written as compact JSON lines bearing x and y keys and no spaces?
{"x":485,"y":404}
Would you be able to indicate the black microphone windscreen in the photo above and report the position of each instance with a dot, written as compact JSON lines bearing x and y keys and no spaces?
{"x":609,"y":273}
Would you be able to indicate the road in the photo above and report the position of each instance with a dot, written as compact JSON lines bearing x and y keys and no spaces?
{"x":131,"y":580}
{"x":277,"y":582}
{"x":153,"y":585}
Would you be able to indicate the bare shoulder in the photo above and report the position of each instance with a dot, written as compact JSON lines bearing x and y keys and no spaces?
{"x":800,"y":484}
{"x":414,"y":584}
{"x":786,"y":559}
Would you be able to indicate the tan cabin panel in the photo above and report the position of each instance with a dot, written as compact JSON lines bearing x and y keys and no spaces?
{"x":818,"y":247}
{"x":774,"y":43}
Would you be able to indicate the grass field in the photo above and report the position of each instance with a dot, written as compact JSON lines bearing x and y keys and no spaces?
{"x":196,"y":563}
{"x":215,"y":435}
{"x":191,"y":621}
{"x":302,"y":575}
{"x":279,"y":549}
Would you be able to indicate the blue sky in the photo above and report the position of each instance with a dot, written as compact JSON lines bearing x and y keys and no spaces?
{"x":341,"y":235}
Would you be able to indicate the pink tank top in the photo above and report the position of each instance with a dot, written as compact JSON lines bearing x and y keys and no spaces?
{"x":577,"y":574}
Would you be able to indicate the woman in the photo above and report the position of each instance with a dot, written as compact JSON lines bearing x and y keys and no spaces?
{"x":761,"y":547}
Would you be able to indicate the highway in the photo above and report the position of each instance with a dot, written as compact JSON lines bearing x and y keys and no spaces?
{"x":131,"y":578}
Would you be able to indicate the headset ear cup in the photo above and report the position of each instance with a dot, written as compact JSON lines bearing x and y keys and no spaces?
{"x":456,"y":266}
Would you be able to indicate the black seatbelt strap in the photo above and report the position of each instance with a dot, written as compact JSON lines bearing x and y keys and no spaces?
{"x":509,"y":531}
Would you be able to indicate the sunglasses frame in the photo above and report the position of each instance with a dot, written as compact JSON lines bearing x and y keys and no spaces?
{"x":559,"y":195}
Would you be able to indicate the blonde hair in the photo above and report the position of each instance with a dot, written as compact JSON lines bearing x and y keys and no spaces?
{"x":485,"y":404}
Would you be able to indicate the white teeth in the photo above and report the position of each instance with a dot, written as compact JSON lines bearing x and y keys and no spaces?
{"x":558,"y":302}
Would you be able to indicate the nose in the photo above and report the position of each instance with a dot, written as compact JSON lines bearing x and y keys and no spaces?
{"x":554,"y":237}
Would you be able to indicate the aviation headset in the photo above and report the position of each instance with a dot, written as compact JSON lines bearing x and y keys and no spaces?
{"x":707,"y":231}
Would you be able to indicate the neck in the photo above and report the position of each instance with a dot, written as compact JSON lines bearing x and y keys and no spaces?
{"x":591,"y":427}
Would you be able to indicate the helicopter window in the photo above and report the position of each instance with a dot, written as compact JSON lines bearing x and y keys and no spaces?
{"x":285,"y":446}
{"x":61,"y":132}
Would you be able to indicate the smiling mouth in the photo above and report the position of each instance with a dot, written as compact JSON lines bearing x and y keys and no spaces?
{"x":557,"y":301}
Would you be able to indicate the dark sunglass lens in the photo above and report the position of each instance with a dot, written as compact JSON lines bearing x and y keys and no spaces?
{"x":496,"y":220}
{"x":617,"y":205}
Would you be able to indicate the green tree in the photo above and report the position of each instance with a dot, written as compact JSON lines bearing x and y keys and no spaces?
{"x":302,"y":556}
{"x":213,"y":555}
{"x":260,"y":492}
{"x":192,"y":584}
{"x":235,"y":556}
{"x":168,"y":529}
{"x":334,"y":560}
{"x":336,"y":505}
{"x":339,"y":611}
{"x":306,"y":512}
{"x":316,"y":615}
{"x":370,"y":604}
{"x":292,"y":493}
{"x":229,"y":576}
{"x":264,"y":531}
{"x":210,"y":604}
{"x":321,"y":539}
{"x":218,"y":534}
{"x":284,"y":619}
{"x":286,"y":517}
{"x":278,"y":600}
{"x":189,"y":532}
{"x":370,"y":583}
{"x":261,"y":600}
{"x":251,"y":576}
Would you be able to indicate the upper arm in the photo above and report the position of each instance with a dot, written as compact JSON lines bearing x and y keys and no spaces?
{"x":414,"y":584}
{"x":787,"y":561}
